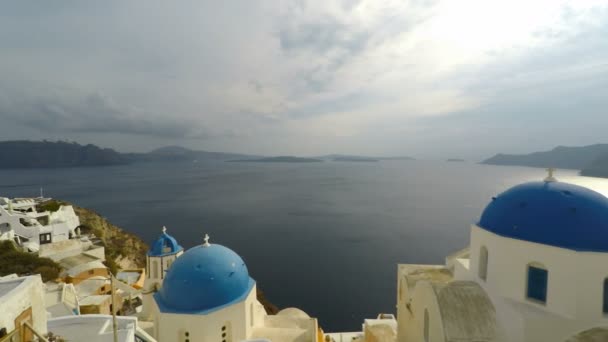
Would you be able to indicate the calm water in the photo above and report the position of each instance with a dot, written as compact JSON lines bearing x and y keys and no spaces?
{"x":324,"y":237}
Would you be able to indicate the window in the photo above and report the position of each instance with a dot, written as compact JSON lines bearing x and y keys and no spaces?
{"x":251,"y":314}
{"x":226,"y":332}
{"x":605,"y":306}
{"x":537,"y":283}
{"x":45,"y":238}
{"x":483,"y":263}
{"x":426,"y":325}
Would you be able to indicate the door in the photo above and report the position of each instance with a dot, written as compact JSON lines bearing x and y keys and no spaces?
{"x":25,"y":316}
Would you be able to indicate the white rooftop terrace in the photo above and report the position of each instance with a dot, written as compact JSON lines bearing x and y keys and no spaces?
{"x":8,"y":285}
{"x":97,"y":328}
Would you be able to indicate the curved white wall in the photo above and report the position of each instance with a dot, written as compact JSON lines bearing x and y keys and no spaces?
{"x":575,"y":280}
{"x":171,"y":327}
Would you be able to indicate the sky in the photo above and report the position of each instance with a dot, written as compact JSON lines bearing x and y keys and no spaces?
{"x":423,"y":78}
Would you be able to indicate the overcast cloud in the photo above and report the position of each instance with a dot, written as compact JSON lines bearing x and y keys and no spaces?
{"x":431,"y":79}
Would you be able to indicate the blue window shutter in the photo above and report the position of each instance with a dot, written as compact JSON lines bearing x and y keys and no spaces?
{"x":605,"y":309}
{"x":537,"y":284}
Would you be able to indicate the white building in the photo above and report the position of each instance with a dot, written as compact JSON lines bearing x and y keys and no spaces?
{"x":60,"y":299}
{"x":22,"y":300}
{"x":536,"y":270}
{"x":98,"y":328}
{"x":20,"y":221}
{"x":207,"y":295}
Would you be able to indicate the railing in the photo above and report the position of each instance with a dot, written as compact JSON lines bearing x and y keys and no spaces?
{"x":20,"y":333}
{"x":9,"y":337}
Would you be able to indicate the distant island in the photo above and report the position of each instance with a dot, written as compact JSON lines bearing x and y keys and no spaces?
{"x":562,"y":157}
{"x":598,"y":168}
{"x":396,"y":158}
{"x":178,"y":153}
{"x":458,"y":160}
{"x":280,"y":159}
{"x":592,"y":160}
{"x":56,"y":154}
{"x":354,"y":159}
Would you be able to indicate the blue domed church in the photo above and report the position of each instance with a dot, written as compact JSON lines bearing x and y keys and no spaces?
{"x":205,"y":294}
{"x":536,"y":269}
{"x":165,"y":250}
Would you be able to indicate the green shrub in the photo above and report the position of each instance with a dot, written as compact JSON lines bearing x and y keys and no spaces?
{"x":21,"y":263}
{"x":52,"y":206}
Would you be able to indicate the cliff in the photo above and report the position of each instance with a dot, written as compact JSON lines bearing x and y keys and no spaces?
{"x":46,"y":154}
{"x":123,"y":249}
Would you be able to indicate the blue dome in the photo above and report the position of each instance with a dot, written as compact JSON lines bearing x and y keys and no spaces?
{"x":164,"y":245}
{"x":551,"y":213}
{"x":204,"y":279}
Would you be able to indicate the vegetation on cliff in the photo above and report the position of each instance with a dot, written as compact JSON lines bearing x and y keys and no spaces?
{"x":123,"y":249}
{"x":13,"y":260}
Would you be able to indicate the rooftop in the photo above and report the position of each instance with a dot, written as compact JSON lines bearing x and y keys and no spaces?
{"x":76,"y":260}
{"x":94,"y":300}
{"x":6,"y":286}
{"x":94,"y":328}
{"x":432,"y":273}
{"x":91,"y":285}
{"x":95,"y":264}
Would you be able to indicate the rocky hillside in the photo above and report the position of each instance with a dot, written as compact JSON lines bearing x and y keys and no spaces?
{"x":124,"y":249}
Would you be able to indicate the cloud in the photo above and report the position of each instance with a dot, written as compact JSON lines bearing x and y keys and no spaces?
{"x":60,"y":111}
{"x":352,"y":76}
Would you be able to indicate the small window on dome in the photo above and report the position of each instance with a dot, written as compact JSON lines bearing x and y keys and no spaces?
{"x":167,"y":246}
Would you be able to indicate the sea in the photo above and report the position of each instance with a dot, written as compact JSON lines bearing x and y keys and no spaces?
{"x":323,"y":237}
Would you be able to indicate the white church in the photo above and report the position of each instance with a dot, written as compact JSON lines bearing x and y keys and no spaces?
{"x":205,"y":294}
{"x":536,"y":270}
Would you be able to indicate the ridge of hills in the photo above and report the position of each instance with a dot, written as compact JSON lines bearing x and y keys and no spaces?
{"x":24,"y":154}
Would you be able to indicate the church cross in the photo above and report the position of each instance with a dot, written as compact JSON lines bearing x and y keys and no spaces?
{"x":206,"y":244}
{"x":550,"y":177}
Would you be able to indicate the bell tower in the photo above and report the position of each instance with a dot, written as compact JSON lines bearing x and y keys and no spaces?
{"x":159,"y":258}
